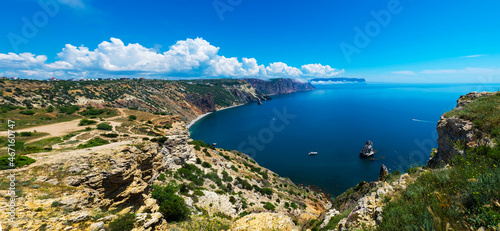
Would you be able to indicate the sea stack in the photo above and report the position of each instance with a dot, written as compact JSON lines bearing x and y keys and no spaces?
{"x":384,"y":172}
{"x":367,"y":150}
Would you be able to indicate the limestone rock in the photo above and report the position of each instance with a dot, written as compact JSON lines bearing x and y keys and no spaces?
{"x":265,"y":221}
{"x":384,"y":172}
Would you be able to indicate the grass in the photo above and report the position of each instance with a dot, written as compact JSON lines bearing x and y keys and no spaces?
{"x":93,"y":143}
{"x":463,"y":197}
{"x":19,"y":161}
{"x":334,"y":221}
{"x":41,"y":117}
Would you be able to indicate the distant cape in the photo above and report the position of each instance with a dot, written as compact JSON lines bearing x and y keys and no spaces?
{"x":337,"y":80}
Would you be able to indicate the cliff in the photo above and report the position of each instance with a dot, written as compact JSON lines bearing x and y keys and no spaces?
{"x":464,"y":127}
{"x":141,"y":171}
{"x":279,"y":86}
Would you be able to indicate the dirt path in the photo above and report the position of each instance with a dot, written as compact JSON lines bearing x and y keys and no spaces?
{"x":63,"y":128}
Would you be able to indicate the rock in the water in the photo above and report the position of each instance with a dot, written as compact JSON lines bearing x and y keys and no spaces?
{"x":367,"y":150}
{"x":383,"y":172}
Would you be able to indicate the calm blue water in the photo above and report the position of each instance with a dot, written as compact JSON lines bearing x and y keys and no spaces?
{"x":336,"y":121}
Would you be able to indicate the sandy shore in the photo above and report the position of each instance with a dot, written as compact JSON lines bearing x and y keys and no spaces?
{"x":201,"y":116}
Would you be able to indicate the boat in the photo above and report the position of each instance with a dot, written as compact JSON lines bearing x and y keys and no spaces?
{"x":313,"y":153}
{"x":214,"y":144}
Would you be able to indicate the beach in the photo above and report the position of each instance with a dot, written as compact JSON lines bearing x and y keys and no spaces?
{"x":208,"y":113}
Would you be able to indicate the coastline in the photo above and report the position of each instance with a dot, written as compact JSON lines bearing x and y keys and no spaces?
{"x":193,"y":122}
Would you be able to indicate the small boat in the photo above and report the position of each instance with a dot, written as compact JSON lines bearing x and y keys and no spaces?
{"x":313,"y":153}
{"x":214,"y":144}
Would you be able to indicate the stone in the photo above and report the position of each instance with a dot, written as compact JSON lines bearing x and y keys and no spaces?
{"x":155,"y":219}
{"x":96,"y":226}
{"x":367,"y":150}
{"x":384,"y":172}
{"x":79,"y":216}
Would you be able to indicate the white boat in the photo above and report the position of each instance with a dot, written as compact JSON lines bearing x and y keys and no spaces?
{"x":313,"y":153}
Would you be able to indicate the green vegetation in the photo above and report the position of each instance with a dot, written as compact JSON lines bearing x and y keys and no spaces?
{"x":132,"y":117}
{"x":104,"y":126}
{"x":68,"y":109}
{"x":269,"y":206}
{"x":332,"y":224}
{"x":19,"y":161}
{"x":94,"y":142}
{"x":110,"y":135}
{"x":26,"y":133}
{"x":464,"y":196}
{"x":484,"y":112}
{"x":85,"y":122}
{"x":38,"y":146}
{"x":206,"y":165}
{"x":192,"y":173}
{"x":172,"y":206}
{"x":27,"y":112}
{"x":124,"y":222}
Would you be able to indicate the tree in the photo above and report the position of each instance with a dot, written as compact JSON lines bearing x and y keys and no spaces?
{"x":172,"y":206}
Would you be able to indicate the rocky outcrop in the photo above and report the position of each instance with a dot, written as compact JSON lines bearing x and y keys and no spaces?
{"x":384,"y":172}
{"x":368,"y":211}
{"x":279,"y":86}
{"x":456,"y":134}
{"x":265,"y":221}
{"x":367,"y":150}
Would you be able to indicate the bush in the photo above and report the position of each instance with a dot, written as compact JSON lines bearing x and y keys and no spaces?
{"x":26,"y":133}
{"x":92,"y":112}
{"x":104,"y":126}
{"x":206,"y":165}
{"x":172,"y":206}
{"x":94,"y":142}
{"x":124,"y":222}
{"x":132,"y":117}
{"x":27,"y":112}
{"x":19,"y":161}
{"x":192,"y":173}
{"x":269,"y":206}
{"x":293,"y":205}
{"x":85,"y":122}
{"x":68,"y":109}
{"x":50,"y":109}
{"x":110,"y":135}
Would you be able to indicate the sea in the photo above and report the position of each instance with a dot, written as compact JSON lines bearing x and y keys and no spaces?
{"x":336,"y":121}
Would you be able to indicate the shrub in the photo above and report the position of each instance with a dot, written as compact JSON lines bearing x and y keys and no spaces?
{"x":110,"y":135}
{"x":293,"y":205}
{"x":226,"y":177}
{"x":50,"y":109}
{"x":234,"y":168}
{"x":162,"y":177}
{"x":124,"y":222}
{"x":192,"y":173}
{"x":269,"y":206}
{"x":172,"y":206}
{"x":92,"y":112}
{"x":232,"y":200}
{"x":26,"y":133}
{"x":104,"y":126}
{"x":27,"y":112}
{"x":132,"y":117}
{"x":19,"y":161}
{"x":85,"y":122}
{"x":206,"y":165}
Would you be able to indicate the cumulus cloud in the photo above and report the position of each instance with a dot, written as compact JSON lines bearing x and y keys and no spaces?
{"x":318,"y":70}
{"x":190,"y":57}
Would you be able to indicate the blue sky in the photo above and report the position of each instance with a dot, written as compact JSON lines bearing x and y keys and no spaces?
{"x":423,"y":41}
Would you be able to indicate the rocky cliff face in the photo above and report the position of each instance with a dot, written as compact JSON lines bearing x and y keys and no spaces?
{"x":279,"y":86}
{"x":456,"y":134}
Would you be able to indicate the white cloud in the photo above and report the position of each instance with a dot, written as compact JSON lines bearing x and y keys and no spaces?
{"x":318,"y":70}
{"x":471,"y":56}
{"x":404,"y":73}
{"x":190,"y":57}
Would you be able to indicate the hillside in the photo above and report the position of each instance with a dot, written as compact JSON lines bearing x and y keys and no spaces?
{"x":106,"y":161}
